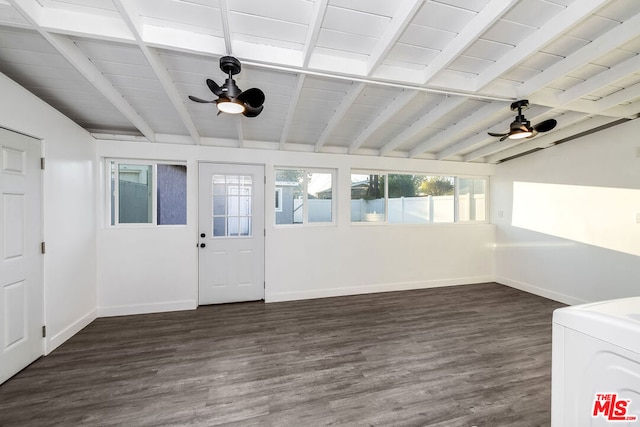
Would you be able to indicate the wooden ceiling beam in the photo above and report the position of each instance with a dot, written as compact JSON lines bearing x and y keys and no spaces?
{"x":559,"y":24}
{"x":392,"y":109}
{"x":603,"y":79}
{"x":319,"y":9}
{"x":621,"y":97}
{"x":32,"y":11}
{"x":132,"y":17}
{"x":442,"y":109}
{"x":610,"y":40}
{"x":454,"y":132}
{"x":338,"y":115}
{"x":471,"y":32}
{"x":293,"y":105}
{"x":463,"y":145}
{"x":400,"y":21}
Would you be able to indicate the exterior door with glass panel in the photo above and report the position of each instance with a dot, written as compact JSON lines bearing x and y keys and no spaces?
{"x":231,"y":233}
{"x":21,"y":292}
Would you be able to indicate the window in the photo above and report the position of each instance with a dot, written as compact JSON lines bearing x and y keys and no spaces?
{"x":134,"y":190}
{"x":148,"y":193}
{"x":304,"y":196}
{"x":416,"y":199}
{"x":472,"y":199}
{"x":368,"y":198}
{"x":421,"y":199}
{"x":171,"y":194}
{"x":232,"y":205}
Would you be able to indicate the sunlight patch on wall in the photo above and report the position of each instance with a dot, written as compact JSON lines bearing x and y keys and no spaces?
{"x":600,"y":216}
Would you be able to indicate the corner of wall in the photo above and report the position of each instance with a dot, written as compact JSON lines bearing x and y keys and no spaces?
{"x":541,"y":292}
{"x":126,"y":310}
{"x":53,"y":342}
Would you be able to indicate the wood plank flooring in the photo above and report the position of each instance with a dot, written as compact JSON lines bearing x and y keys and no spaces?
{"x":477,"y":355}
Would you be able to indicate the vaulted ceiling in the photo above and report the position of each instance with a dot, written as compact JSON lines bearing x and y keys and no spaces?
{"x":407,"y":78}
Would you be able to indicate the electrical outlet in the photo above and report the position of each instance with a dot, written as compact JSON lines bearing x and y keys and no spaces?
{"x":500,"y":214}
{"x":638,"y":217}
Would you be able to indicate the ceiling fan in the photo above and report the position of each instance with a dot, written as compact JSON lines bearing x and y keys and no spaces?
{"x":521,"y":127}
{"x":230,"y":98}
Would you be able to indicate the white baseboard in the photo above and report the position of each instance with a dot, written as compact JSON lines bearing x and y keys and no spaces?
{"x":369,"y":289}
{"x":56,"y":340}
{"x":542,"y":292}
{"x":126,"y":310}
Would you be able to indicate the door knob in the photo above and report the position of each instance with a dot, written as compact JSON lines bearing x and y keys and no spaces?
{"x":202,"y":245}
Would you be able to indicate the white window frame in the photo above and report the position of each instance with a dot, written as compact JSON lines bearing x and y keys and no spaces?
{"x":116,"y":196}
{"x":305,"y":199}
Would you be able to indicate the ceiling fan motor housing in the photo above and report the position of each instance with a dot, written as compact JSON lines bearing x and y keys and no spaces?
{"x":521,"y":124}
{"x":230,"y":88}
{"x":520,"y":105}
{"x":230,"y":65}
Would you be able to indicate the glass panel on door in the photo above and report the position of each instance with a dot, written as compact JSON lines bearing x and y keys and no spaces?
{"x":232,"y":205}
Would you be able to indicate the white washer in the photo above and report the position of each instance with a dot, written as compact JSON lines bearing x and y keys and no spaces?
{"x":596,"y":350}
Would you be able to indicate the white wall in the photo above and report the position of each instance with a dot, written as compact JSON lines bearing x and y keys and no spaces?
{"x":588,"y":248}
{"x":154,"y":269}
{"x":344,"y":260}
{"x":68,"y":207}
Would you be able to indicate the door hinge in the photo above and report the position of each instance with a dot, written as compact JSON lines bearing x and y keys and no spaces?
{"x":44,"y":331}
{"x":265,"y":179}
{"x":42,"y":163}
{"x":265,"y":232}
{"x":264,"y":285}
{"x":42,"y":247}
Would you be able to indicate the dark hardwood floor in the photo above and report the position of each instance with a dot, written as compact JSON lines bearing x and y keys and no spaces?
{"x":476,"y":355}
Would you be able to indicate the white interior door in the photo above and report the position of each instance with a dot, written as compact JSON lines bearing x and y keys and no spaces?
{"x":231,"y":233}
{"x":21,"y":291}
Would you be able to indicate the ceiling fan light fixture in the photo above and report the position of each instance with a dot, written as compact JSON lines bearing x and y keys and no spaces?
{"x":521,"y":128}
{"x":229,"y":106}
{"x":520,"y":134}
{"x":232,"y":100}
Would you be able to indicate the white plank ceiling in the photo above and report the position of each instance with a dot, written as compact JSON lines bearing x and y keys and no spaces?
{"x":409,"y":78}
